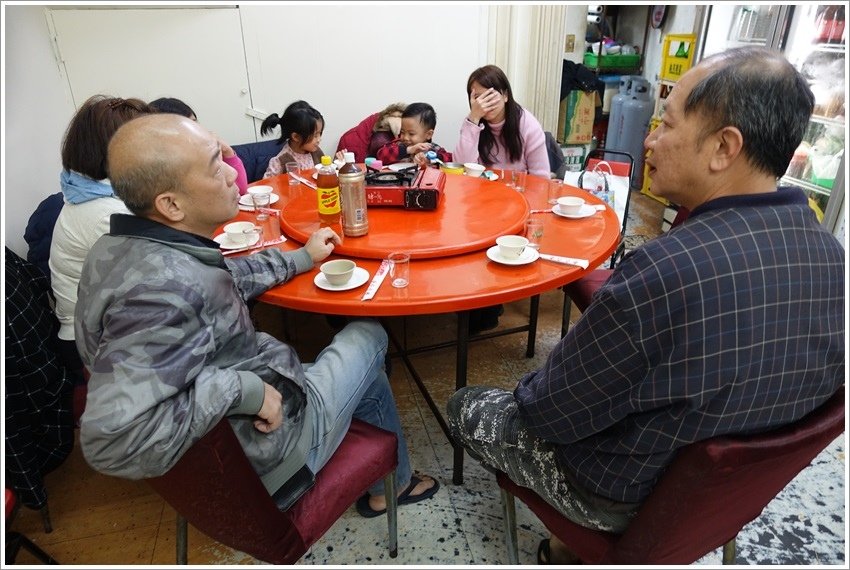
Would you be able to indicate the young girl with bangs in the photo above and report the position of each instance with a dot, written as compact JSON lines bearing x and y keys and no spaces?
{"x":301,"y":128}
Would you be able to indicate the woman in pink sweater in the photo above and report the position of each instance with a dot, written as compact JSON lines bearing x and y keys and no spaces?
{"x":498,"y":132}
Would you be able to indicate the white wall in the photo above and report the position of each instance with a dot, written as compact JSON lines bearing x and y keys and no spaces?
{"x":36,"y":109}
{"x":353,"y":60}
{"x":347,"y":60}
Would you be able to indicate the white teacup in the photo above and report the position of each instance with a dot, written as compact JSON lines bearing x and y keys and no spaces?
{"x":338,"y":271}
{"x":473,"y":169}
{"x":238,"y":233}
{"x":570,"y":205}
{"x":261,"y":189}
{"x":511,"y":247}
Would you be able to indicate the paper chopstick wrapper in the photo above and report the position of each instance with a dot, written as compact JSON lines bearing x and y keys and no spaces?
{"x":266,"y":243}
{"x":303,"y":181}
{"x":583,"y":263}
{"x":376,"y":280}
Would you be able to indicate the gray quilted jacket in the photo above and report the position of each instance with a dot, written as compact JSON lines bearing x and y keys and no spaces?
{"x":162,"y":326}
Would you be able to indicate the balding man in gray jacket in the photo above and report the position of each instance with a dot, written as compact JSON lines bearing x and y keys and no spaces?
{"x":163,"y":328}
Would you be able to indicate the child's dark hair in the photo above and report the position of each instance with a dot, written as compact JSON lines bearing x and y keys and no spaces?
{"x":172,"y":105}
{"x":299,"y":118}
{"x":424,"y":112}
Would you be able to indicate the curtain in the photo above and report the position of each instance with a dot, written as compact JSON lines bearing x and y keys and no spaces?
{"x":527,"y":42}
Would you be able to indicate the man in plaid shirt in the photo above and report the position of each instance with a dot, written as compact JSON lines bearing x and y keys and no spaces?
{"x":732,"y":322}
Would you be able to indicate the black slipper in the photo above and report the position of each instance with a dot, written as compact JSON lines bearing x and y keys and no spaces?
{"x":543,"y":557}
{"x":404,"y":499}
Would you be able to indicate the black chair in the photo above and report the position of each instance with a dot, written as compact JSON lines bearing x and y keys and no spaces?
{"x":581,"y":290}
{"x":15,"y":540}
{"x":555,"y":154}
{"x":255,"y":157}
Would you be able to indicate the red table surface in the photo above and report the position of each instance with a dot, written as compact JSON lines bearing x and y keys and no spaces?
{"x":469,"y":217}
{"x":452,"y":282}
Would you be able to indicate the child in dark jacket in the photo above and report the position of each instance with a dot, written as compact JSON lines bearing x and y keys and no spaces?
{"x":417,"y":127}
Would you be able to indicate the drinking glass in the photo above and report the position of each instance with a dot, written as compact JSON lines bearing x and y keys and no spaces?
{"x":534,"y":232}
{"x":518,"y":177}
{"x":556,"y":186}
{"x":399,"y":269}
{"x":292,"y":168}
{"x":261,"y":201}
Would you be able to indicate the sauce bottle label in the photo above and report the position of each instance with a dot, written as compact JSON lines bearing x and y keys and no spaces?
{"x":328,"y":200}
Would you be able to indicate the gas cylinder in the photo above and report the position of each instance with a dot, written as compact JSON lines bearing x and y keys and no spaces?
{"x":612,"y":137}
{"x":637,"y":111}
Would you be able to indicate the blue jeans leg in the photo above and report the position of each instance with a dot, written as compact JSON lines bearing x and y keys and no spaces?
{"x":348,"y":380}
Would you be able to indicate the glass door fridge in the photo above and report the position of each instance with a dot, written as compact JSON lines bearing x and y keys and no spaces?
{"x":812,"y":37}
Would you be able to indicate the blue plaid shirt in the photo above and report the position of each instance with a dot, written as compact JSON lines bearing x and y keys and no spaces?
{"x":730,"y":323}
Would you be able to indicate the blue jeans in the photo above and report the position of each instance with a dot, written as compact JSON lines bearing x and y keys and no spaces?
{"x":348,"y":380}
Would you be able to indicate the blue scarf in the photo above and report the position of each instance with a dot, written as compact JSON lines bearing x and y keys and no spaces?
{"x":78,"y":188}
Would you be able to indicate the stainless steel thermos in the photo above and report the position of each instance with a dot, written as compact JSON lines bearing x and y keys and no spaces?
{"x":352,"y":192}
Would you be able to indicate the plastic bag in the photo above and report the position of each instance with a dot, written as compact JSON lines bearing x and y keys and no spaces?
{"x":602,"y":182}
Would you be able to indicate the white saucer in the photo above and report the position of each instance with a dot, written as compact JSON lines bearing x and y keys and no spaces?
{"x":492,"y":178}
{"x":586,"y":211}
{"x":528,"y":255}
{"x":248,"y":202}
{"x":401,"y":166}
{"x":358,"y":278}
{"x":225,"y":243}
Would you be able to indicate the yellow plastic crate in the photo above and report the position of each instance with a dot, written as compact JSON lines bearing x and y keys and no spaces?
{"x":677,"y":55}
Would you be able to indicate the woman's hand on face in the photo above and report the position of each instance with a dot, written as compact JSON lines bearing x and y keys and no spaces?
{"x":321,"y":244}
{"x":483,"y":104}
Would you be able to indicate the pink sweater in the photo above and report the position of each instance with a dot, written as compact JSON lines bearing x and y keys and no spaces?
{"x":534,"y":159}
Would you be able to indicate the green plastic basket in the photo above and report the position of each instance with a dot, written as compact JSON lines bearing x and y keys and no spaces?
{"x":611,"y":61}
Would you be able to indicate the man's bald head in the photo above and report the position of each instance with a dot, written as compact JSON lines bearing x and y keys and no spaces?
{"x":149,"y":155}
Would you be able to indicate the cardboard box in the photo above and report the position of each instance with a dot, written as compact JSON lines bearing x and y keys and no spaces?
{"x":573,"y":157}
{"x":575,"y":117}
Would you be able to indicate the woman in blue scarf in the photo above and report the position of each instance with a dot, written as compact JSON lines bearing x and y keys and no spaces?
{"x":89,"y":202}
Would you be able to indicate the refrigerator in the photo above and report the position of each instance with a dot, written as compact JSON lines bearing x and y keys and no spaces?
{"x":812,"y":37}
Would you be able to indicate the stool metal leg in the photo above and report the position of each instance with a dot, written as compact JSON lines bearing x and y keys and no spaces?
{"x":509,"y":516}
{"x":45,"y":518}
{"x":182,"y":540}
{"x":15,"y":541}
{"x":532,"y":325}
{"x":392,"y":512}
{"x":729,"y":552}
{"x":565,"y":314}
